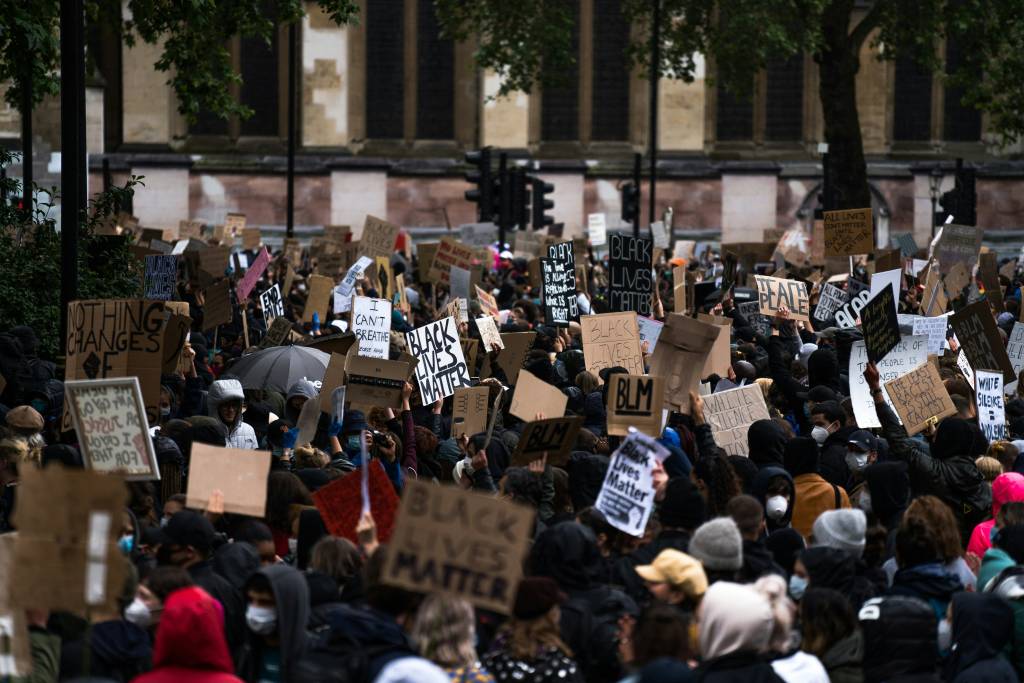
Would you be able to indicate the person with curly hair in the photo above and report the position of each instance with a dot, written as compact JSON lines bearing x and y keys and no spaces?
{"x":444,"y":631}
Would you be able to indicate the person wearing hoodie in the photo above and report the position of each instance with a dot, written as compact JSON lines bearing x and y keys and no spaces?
{"x":190,"y":645}
{"x":982,"y":628}
{"x":948,"y":471}
{"x":900,"y":640}
{"x":766,"y":444}
{"x":830,"y":431}
{"x":734,"y":627}
{"x":814,"y":495}
{"x":224,"y":402}
{"x":773,"y":488}
{"x":1001,"y":574}
{"x":276,"y":616}
{"x":1007,"y":488}
{"x":790,"y":662}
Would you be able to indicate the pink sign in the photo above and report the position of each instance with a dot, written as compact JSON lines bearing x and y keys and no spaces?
{"x":248,"y":281}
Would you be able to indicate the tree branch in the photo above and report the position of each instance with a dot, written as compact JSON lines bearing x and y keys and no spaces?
{"x":867,"y":24}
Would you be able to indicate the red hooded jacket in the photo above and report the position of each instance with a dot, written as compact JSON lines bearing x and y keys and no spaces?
{"x":190,"y":644}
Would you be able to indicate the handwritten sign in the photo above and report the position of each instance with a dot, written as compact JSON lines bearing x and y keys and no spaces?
{"x":442,"y":368}
{"x":683,"y":348}
{"x":920,"y":397}
{"x":554,"y":436}
{"x":829,"y":302}
{"x":880,"y":325}
{"x":629,"y":274}
{"x":597,"y":229}
{"x":371,"y":324}
{"x":110,"y":420}
{"x":450,"y":253}
{"x":239,"y":474}
{"x":848,"y":232}
{"x":161,"y":277}
{"x":378,"y":237}
{"x":559,"y":300}
{"x":459,"y":542}
{"x":1015,"y":351}
{"x":252,"y":275}
{"x":610,"y":340}
{"x":343,"y":292}
{"x":958,"y":244}
{"x":489,"y":333}
{"x":976,"y":331}
{"x":989,"y":401}
{"x":469,"y":411}
{"x":566,"y":253}
{"x":650,"y":330}
{"x":751,"y":310}
{"x":488,"y":305}
{"x":908,"y":354}
{"x":271,"y":303}
{"x":478,"y":234}
{"x":627,"y":494}
{"x":730,"y":413}
{"x":773,"y":293}
{"x":635,"y":401}
{"x":935,"y":329}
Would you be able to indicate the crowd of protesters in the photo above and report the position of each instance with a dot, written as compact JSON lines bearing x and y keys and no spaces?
{"x":830,"y":553}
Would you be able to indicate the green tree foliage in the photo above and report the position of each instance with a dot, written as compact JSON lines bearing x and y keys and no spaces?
{"x":30,"y":260}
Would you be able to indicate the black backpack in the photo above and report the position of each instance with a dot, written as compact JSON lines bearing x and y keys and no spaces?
{"x":338,"y":658}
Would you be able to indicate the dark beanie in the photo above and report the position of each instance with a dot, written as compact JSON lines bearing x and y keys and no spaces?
{"x":535,"y":596}
{"x":683,"y":507}
{"x":801,"y":456}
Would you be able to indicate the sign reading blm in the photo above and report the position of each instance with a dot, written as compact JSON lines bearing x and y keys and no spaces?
{"x":629,"y":274}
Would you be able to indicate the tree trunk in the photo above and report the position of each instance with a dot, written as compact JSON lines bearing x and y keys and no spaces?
{"x":838,"y":65}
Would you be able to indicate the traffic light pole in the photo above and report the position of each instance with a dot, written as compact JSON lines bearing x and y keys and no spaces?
{"x":72,"y":118}
{"x":655,"y":63}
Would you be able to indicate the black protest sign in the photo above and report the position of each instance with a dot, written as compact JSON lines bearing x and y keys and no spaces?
{"x":829,"y":302}
{"x":880,"y":325}
{"x":161,"y":277}
{"x":555,"y":292}
{"x":566,"y":253}
{"x":442,"y":367}
{"x":555,"y":436}
{"x":635,"y":401}
{"x":629,"y":273}
{"x":979,"y":338}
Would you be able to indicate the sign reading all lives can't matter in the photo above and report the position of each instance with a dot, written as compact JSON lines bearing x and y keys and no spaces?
{"x":110,"y":420}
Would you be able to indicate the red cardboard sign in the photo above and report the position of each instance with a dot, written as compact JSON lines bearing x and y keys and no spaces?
{"x":340,"y":503}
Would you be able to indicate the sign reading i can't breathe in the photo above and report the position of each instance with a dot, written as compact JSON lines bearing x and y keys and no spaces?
{"x":442,"y":368}
{"x":371,"y":323}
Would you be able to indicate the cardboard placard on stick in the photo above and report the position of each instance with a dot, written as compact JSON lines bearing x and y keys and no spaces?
{"x":719,"y":359}
{"x":612,"y":339}
{"x":990,"y":280}
{"x":635,"y":401}
{"x":533,"y":396}
{"x":512,"y":357}
{"x":217,"y":305}
{"x":880,"y":326}
{"x":259,"y":266}
{"x":375,"y":381}
{"x":469,"y":411}
{"x":489,"y":334}
{"x":920,"y":398}
{"x":340,"y":503}
{"x":849,"y":232}
{"x":976,"y":330}
{"x":110,"y":420}
{"x":319,"y":298}
{"x":442,"y":367}
{"x":459,"y":542}
{"x":234,"y":224}
{"x":271,"y":303}
{"x":958,"y":244}
{"x":773,"y":293}
{"x":680,"y":356}
{"x":449,"y":253}
{"x":488,"y":305}
{"x":730,"y":414}
{"x":555,"y":436}
{"x":239,"y":474}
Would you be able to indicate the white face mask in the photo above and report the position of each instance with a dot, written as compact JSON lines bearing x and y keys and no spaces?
{"x":293,"y":546}
{"x":138,"y":613}
{"x":775,"y":507}
{"x":856,"y":461}
{"x":797,"y":587}
{"x":261,"y":620}
{"x":819,"y":434}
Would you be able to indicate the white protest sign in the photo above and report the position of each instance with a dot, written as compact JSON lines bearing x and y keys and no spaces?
{"x":627,"y":494}
{"x":110,"y":419}
{"x":660,"y":234}
{"x":730,"y":414}
{"x":442,"y":367}
{"x":458,"y":282}
{"x":890,"y":278}
{"x":965,"y":367}
{"x":650,"y":330}
{"x":489,"y":333}
{"x":989,"y":399}
{"x":935,"y":329}
{"x":597,"y":229}
{"x":270,"y":301}
{"x":371,"y":323}
{"x":1015,"y":350}
{"x":907,"y":355}
{"x":343,"y":292}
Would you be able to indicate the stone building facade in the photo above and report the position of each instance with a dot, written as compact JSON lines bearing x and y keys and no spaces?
{"x":388,"y":107}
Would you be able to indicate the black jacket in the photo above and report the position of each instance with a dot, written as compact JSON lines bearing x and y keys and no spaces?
{"x":757,"y":562}
{"x":738,"y":667}
{"x":230,"y":599}
{"x":833,"y":458}
{"x":982,"y":628}
{"x":119,"y":651}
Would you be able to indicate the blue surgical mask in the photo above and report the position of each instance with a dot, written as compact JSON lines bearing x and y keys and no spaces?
{"x":797,"y":586}
{"x":126,"y":543}
{"x":993,"y":534}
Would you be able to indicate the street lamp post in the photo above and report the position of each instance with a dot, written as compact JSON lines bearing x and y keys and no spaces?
{"x":934,"y":191}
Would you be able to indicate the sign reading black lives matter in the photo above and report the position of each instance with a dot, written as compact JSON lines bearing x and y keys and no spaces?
{"x":271,"y":302}
{"x":627,"y":494}
{"x":442,"y":368}
{"x":555,"y":292}
{"x":629,"y":273}
{"x":566,"y":253}
{"x":161,"y":276}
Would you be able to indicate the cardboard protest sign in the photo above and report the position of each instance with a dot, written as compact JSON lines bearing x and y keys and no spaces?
{"x":830,"y":300}
{"x":65,"y":554}
{"x":650,"y":330}
{"x":449,"y":253}
{"x":554,"y":436}
{"x":340,"y":503}
{"x":849,"y":232}
{"x":469,"y":411}
{"x":988,"y":388}
{"x":343,"y":292}
{"x":280,"y":330}
{"x":371,"y":323}
{"x":489,"y":333}
{"x":933,"y":300}
{"x":252,"y":275}
{"x":478,"y":234}
{"x":989,"y":277}
{"x":251,"y":239}
{"x":773,"y":293}
{"x":510,"y":360}
{"x":880,"y":326}
{"x":240,"y":475}
{"x":403,"y":296}
{"x":719,"y":359}
{"x":635,"y":401}
{"x":911,"y":352}
{"x":920,"y":398}
{"x":976,"y":331}
{"x":375,"y":381}
{"x":190,"y":229}
{"x":271,"y":303}
{"x":110,"y":420}
{"x":217,"y":305}
{"x":458,"y":282}
{"x":234,"y":224}
{"x":682,"y":351}
{"x":488,"y":305}
{"x":629,"y":274}
{"x":935,"y":329}
{"x":334,"y":377}
{"x":555,"y":293}
{"x":751,"y":310}
{"x":318,"y":298}
{"x":161,"y":277}
{"x":626,"y":498}
{"x":378,"y":237}
{"x":908,"y":247}
{"x":117,"y":338}
{"x":597,"y":229}
{"x":442,"y":368}
{"x":533,"y":396}
{"x":459,"y":542}
{"x":612,"y":339}
{"x":730,"y":413}
{"x":565,"y":252}
{"x":214,"y":260}
{"x":958,"y":244}
{"x":385,"y":278}
{"x":1014,"y":350}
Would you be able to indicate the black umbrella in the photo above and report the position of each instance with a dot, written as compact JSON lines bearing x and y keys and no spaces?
{"x":280,"y":367}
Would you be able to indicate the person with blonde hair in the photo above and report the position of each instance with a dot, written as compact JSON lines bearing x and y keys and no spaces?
{"x":989,"y":467}
{"x":444,"y":631}
{"x":530,"y":646}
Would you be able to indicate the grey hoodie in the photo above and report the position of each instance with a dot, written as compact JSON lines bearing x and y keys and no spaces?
{"x":302,"y":387}
{"x":240,"y":434}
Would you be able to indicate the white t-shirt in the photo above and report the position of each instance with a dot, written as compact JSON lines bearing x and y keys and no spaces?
{"x":800,"y":667}
{"x":412,"y":670}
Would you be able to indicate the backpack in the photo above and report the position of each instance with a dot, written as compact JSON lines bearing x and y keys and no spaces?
{"x":339,"y":658}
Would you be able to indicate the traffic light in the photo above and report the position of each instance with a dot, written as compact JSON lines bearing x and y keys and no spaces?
{"x":520,"y":199}
{"x":483,"y":194}
{"x":542,"y":203}
{"x":630,"y":203}
{"x":962,"y":201}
